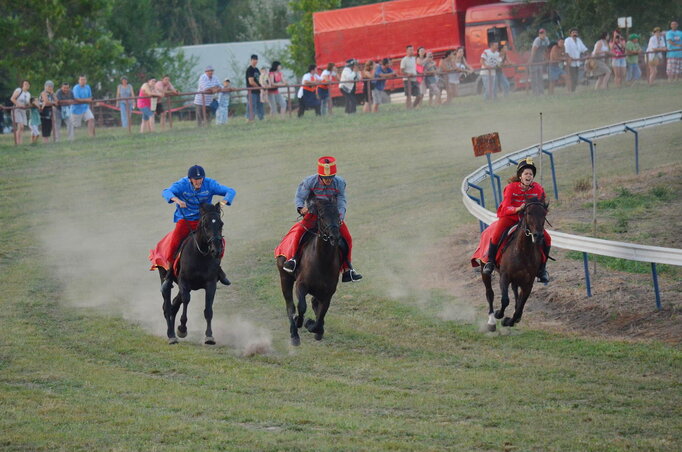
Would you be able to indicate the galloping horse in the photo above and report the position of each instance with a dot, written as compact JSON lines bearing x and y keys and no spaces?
{"x":197,"y":268}
{"x":519,"y":264}
{"x":317,"y":272}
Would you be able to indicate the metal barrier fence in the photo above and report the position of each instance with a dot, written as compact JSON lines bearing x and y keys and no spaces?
{"x":586,"y":245}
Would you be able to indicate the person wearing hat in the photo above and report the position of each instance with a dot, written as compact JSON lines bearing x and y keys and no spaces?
{"x":520,"y":189}
{"x":654,"y":53}
{"x":208,"y":86}
{"x":633,"y":50}
{"x":538,"y":56}
{"x":188,"y":194}
{"x":348,"y":79}
{"x":325,"y":184}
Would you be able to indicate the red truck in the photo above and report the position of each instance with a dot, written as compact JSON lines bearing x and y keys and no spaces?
{"x":383,"y":30}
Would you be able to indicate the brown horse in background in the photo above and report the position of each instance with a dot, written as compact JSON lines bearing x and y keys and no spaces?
{"x":519,"y":264}
{"x":317,"y":272}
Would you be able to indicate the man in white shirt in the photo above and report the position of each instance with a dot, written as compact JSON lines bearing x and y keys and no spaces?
{"x":575,"y":49}
{"x":408,"y":67}
{"x":490,"y":60}
{"x":208,"y":86}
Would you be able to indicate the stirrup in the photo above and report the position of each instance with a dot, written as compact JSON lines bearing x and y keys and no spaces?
{"x":351,"y":275}
{"x":489,"y":268}
{"x":289,"y":266}
{"x":543,"y":277}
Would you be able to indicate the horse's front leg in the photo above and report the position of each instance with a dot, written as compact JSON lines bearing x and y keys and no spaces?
{"x":301,"y":292}
{"x":182,"y":328}
{"x":169,"y":316}
{"x":521,"y":303}
{"x":490,"y":297}
{"x":504,"y":291}
{"x":317,"y":326}
{"x":208,"y":312}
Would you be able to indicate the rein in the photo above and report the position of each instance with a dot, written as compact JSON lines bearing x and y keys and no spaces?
{"x":194,"y":236}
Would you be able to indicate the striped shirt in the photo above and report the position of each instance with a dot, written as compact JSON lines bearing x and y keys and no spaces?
{"x":204,"y":84}
{"x":312,"y":187}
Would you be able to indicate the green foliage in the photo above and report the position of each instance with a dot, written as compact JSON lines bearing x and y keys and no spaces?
{"x":625,"y":265}
{"x":626,"y":200}
{"x":592,"y":17}
{"x":302,"y":48}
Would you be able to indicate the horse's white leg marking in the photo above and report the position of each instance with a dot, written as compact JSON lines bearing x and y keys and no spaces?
{"x":491,"y":319}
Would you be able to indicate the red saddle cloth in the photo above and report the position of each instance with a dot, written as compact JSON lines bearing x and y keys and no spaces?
{"x":480,"y":256}
{"x":157,"y":256}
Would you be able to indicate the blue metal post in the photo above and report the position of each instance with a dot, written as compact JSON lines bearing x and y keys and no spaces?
{"x":587,"y":275}
{"x":654,"y":274}
{"x":591,"y":148}
{"x":499,"y":187}
{"x":492,"y":180}
{"x":481,"y":202}
{"x":551,"y":162}
{"x":630,"y":129}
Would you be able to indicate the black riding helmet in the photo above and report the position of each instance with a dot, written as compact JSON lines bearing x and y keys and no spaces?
{"x":523,"y":164}
{"x":196,"y":172}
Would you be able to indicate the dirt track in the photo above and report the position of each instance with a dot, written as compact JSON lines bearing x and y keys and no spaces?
{"x":622,"y":303}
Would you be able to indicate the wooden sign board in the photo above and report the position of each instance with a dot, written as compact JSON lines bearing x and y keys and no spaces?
{"x":486,"y":144}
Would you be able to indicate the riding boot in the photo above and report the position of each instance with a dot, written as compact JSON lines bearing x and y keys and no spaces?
{"x":489,"y":267}
{"x":350,"y":275}
{"x":543,"y":276}
{"x":289,"y":266}
{"x":222,"y":277}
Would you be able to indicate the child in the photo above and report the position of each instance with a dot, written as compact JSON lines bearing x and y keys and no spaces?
{"x":34,"y":122}
{"x":223,"y":104}
{"x":264,"y":81}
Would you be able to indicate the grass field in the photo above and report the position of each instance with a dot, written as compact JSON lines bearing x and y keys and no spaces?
{"x":84,"y":363}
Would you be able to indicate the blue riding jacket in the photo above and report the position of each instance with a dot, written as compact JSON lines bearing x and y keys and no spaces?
{"x":183,"y":190}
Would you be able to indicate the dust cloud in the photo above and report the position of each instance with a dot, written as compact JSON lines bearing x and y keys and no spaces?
{"x":98,"y":251}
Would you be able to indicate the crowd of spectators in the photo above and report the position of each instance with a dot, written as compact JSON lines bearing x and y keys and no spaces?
{"x":566,"y":62}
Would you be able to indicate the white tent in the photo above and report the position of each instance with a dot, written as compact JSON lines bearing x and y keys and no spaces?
{"x":231,"y":59}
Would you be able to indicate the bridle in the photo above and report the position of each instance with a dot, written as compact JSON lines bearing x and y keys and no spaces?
{"x":214,"y":240}
{"x":526,"y":229}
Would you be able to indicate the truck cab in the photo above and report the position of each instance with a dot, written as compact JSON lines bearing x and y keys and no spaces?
{"x":513,"y":24}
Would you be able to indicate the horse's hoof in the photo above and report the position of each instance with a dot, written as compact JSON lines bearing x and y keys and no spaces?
{"x":492,"y":328}
{"x":318,"y":336}
{"x":208,"y":340}
{"x":309,"y":325}
{"x":295,"y":341}
{"x":182,"y":332}
{"x":298,"y":320}
{"x":499,"y":314}
{"x":507,"y":322}
{"x":172,"y":340}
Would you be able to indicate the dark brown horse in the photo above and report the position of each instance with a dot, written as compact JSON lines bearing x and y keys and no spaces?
{"x":200,"y":255}
{"x":317,"y":272}
{"x":518,"y":265}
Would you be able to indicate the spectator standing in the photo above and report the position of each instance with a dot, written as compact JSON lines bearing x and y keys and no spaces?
{"x":307,"y":93}
{"x":575,"y":49}
{"x":557,"y":60}
{"x":502,"y":81}
{"x":421,"y":56}
{"x":124,"y":89}
{"x":462,"y":68}
{"x":81,"y":111}
{"x":600,"y":53}
{"x":349,"y":76}
{"x":431,"y":79}
{"x":46,"y":101}
{"x":654,"y":53}
{"x":446,"y":68}
{"x":275,"y":98}
{"x":254,"y":105}
{"x":633,"y":50}
{"x":383,"y":72}
{"x":264,"y":81}
{"x":328,"y":76}
{"x":408,"y":68}
{"x":490,"y":60}
{"x":165,"y":88}
{"x":208,"y":86}
{"x":673,"y":39}
{"x":538,"y":56}
{"x":368,"y":86}
{"x":222,"y":114}
{"x":21,"y":98}
{"x":618,"y":62}
{"x":144,"y":104}
{"x":34,"y":121}
{"x":63,"y":111}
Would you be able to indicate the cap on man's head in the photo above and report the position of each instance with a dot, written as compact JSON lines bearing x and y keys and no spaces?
{"x":542,"y":30}
{"x":385,"y":61}
{"x":634,"y":36}
{"x":196,"y":172}
{"x":209,"y":68}
{"x":326,"y":166}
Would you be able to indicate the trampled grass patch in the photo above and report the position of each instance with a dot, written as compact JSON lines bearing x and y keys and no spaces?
{"x":84,"y":364}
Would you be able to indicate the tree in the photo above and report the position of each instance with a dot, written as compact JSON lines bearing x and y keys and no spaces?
{"x":302,"y":48}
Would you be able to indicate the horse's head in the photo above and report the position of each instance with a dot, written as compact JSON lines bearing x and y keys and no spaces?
{"x":328,"y":220}
{"x":211,"y":227}
{"x":534,"y":219}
